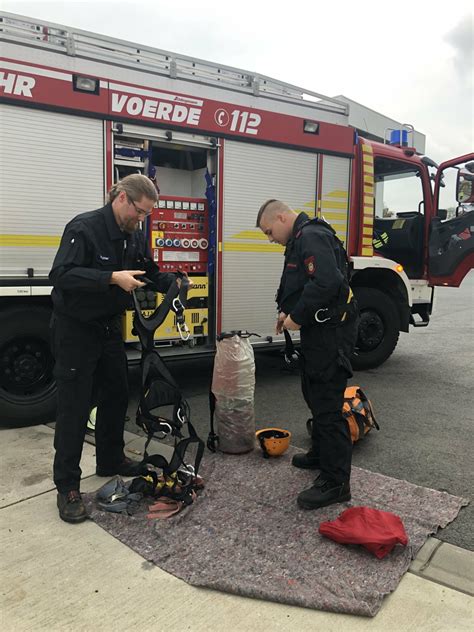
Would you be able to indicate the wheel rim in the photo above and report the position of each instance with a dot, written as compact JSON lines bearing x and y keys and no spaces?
{"x":371,"y":331}
{"x":26,"y":368}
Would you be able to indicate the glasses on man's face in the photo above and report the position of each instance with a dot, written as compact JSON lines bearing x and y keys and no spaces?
{"x":141,"y":212}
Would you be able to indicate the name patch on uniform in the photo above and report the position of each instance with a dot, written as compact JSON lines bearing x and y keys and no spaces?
{"x":291,"y":265}
{"x":310,"y":265}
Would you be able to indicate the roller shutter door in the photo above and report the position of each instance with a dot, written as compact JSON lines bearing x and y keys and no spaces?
{"x":251,"y":266}
{"x":51,"y":169}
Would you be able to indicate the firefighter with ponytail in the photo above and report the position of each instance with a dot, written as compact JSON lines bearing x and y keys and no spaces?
{"x":102,"y":257}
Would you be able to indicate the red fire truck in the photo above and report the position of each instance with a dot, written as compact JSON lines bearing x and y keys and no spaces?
{"x":80,"y":111}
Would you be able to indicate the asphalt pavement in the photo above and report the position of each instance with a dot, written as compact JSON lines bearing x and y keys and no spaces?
{"x":421,"y":397}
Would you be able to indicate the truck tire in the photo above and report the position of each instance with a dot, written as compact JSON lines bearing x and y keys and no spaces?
{"x":27,"y":385}
{"x":379,"y":328}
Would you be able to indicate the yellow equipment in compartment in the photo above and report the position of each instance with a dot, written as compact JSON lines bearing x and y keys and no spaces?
{"x":196,"y":317}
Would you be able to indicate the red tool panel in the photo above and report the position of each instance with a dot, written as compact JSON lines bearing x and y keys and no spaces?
{"x":179,"y":234}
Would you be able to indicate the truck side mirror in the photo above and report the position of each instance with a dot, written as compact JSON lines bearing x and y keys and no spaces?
{"x":465,"y":187}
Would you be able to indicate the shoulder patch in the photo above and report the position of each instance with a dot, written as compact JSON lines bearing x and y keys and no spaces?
{"x":310,"y":265}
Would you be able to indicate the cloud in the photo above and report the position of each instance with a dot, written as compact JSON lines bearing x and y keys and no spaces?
{"x":461,"y":39}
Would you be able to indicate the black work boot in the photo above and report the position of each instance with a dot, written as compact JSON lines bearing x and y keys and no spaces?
{"x":308,"y":461}
{"x":127,"y":467}
{"x":71,"y":508}
{"x":324,"y":493}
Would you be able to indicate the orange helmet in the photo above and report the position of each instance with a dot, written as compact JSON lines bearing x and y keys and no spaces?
{"x":273,"y":441}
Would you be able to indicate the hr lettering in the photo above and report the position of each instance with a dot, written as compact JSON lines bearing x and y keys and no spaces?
{"x":19,"y":85}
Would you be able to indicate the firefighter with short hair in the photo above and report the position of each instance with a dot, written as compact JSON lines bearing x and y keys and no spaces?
{"x":315,"y":297}
{"x":100,"y":260}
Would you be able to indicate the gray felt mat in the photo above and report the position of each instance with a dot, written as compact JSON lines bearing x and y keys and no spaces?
{"x":245,"y":535}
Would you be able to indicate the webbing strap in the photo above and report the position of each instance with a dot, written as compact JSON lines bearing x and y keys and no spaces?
{"x":177,"y":460}
{"x":175,"y":299}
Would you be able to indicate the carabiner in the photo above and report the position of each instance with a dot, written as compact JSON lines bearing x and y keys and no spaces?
{"x":164,"y":431}
{"x":177,"y":305}
{"x":183,"y":420}
{"x":321,"y":320}
{"x":183,"y":329}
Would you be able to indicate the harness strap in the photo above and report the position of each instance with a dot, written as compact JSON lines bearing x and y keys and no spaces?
{"x":177,"y":460}
{"x":164,"y":508}
{"x":175,"y":299}
{"x":212,"y":438}
{"x":167,"y":507}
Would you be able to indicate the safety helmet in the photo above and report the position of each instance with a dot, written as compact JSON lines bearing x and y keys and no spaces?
{"x":273,"y":441}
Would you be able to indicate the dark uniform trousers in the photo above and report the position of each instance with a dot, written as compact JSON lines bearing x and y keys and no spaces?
{"x":88,"y":354}
{"x":325,"y":370}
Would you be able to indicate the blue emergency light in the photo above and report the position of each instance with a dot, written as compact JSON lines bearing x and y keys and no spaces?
{"x":399,"y":137}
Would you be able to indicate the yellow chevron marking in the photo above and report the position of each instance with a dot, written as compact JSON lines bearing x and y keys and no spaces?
{"x":368,"y":199}
{"x":368,"y":189}
{"x":219,"y":246}
{"x":367,"y":241}
{"x":367,"y":232}
{"x":368,"y":221}
{"x":369,"y":169}
{"x":367,"y":149}
{"x":250,"y":234}
{"x":367,"y":252}
{"x":32,"y":241}
{"x":338,"y":194}
{"x":329,"y":204}
{"x":231,"y":247}
{"x":332,"y":215}
{"x":368,"y":179}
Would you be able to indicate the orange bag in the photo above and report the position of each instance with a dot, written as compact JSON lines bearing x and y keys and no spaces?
{"x":357,"y":410}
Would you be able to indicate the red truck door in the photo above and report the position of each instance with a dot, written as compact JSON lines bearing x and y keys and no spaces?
{"x":451,"y":238}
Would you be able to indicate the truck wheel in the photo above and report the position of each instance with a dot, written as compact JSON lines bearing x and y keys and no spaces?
{"x":379,"y":328}
{"x":27,"y":385}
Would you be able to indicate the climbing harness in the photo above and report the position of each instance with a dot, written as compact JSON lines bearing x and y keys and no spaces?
{"x":357,"y":410}
{"x":158,"y":389}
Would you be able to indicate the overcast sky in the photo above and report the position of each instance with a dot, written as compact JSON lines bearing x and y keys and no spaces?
{"x":412,"y":61}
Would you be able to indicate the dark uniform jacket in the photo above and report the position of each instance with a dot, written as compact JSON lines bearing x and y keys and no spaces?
{"x":315,"y":276}
{"x":92,"y":247}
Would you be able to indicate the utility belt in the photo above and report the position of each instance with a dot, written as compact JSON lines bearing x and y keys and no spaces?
{"x":335,"y":316}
